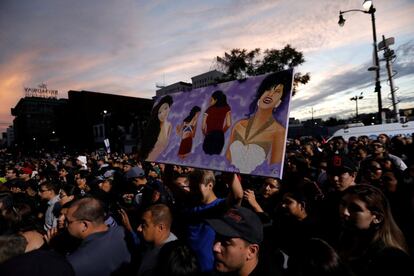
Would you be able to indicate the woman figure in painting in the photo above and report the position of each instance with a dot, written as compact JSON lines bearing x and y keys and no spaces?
{"x":187,"y":130}
{"x":158,"y":130}
{"x":216,"y":121}
{"x":259,"y":137}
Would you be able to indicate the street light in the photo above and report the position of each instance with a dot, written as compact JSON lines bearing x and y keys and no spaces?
{"x":369,"y":8}
{"x":104,"y":114}
{"x":356,"y":98}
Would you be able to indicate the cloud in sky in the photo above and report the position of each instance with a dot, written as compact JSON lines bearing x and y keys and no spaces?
{"x":343,"y":84}
{"x":125,"y":47}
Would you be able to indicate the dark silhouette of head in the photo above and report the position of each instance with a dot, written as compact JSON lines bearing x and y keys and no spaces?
{"x":220,"y":97}
{"x":193,"y":112}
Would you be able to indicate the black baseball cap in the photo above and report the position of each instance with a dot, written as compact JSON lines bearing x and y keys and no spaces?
{"x":239,"y":222}
{"x":340,"y":165}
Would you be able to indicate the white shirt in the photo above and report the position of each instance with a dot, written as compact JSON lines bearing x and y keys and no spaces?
{"x":50,"y":219}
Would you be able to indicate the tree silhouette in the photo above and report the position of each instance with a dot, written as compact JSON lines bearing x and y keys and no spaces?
{"x":241,"y":63}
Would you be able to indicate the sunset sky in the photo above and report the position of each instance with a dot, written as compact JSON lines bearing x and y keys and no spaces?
{"x":125,"y":47}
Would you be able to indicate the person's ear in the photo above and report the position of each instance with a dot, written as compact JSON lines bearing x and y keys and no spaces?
{"x":85,"y":225}
{"x":253,"y":251}
{"x":161,"y":226}
{"x":377,"y":219}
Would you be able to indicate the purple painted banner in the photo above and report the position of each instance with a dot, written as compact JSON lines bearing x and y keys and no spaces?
{"x":238,"y":126}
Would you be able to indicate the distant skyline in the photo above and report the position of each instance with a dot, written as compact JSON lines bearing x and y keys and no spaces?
{"x":126,"y":47}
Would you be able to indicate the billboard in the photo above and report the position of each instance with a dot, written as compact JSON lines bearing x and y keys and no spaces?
{"x":238,"y":126}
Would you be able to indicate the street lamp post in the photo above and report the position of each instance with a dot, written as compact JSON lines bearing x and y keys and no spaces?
{"x":369,"y":8}
{"x":104,"y":114}
{"x":356,"y":98}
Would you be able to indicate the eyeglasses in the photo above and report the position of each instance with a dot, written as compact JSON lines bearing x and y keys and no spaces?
{"x":42,"y":191}
{"x":68,"y":222}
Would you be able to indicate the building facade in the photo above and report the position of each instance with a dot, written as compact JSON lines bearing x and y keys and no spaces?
{"x":206,"y":79}
{"x":81,"y":122}
{"x":36,"y":121}
{"x":202,"y":80}
{"x":173,"y":88}
{"x":93,"y":117}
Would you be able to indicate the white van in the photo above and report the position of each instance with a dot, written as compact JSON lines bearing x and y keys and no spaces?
{"x":405,"y":129}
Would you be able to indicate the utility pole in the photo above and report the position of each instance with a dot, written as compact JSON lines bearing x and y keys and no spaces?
{"x":370,"y":9}
{"x":356,"y":98}
{"x":389,"y":55}
{"x":312,"y":113}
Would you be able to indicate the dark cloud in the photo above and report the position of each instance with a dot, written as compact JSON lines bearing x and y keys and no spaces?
{"x":359,"y":78}
{"x":404,"y":61}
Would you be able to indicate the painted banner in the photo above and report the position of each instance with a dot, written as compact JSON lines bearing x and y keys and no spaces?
{"x":238,"y":126}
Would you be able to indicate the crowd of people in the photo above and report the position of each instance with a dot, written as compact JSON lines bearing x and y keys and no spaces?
{"x":342,"y":208}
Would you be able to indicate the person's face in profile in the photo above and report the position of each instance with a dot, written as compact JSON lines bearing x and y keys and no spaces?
{"x":212,"y":101}
{"x":292,"y":207}
{"x":271,"y":97}
{"x":183,"y":183}
{"x":230,"y":254}
{"x":343,"y":181}
{"x":382,"y":138}
{"x":355,"y":214}
{"x":163,"y":112}
{"x":373,"y":171}
{"x":63,"y":173}
{"x":147,"y":227}
{"x":105,"y":186}
{"x":61,"y":218}
{"x":361,"y":154}
{"x":378,"y":148}
{"x":75,"y":226}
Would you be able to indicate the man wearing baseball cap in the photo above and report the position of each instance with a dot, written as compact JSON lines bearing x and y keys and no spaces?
{"x":239,"y":234}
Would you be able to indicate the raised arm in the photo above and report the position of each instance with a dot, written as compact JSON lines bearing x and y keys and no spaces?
{"x":235,"y":196}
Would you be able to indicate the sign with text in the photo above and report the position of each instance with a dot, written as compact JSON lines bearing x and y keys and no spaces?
{"x":238,"y":126}
{"x":41,"y":92}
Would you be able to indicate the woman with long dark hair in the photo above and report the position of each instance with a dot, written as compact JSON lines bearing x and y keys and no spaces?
{"x":259,"y":137}
{"x":216,"y":121}
{"x":158,"y":131}
{"x":186,"y":130}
